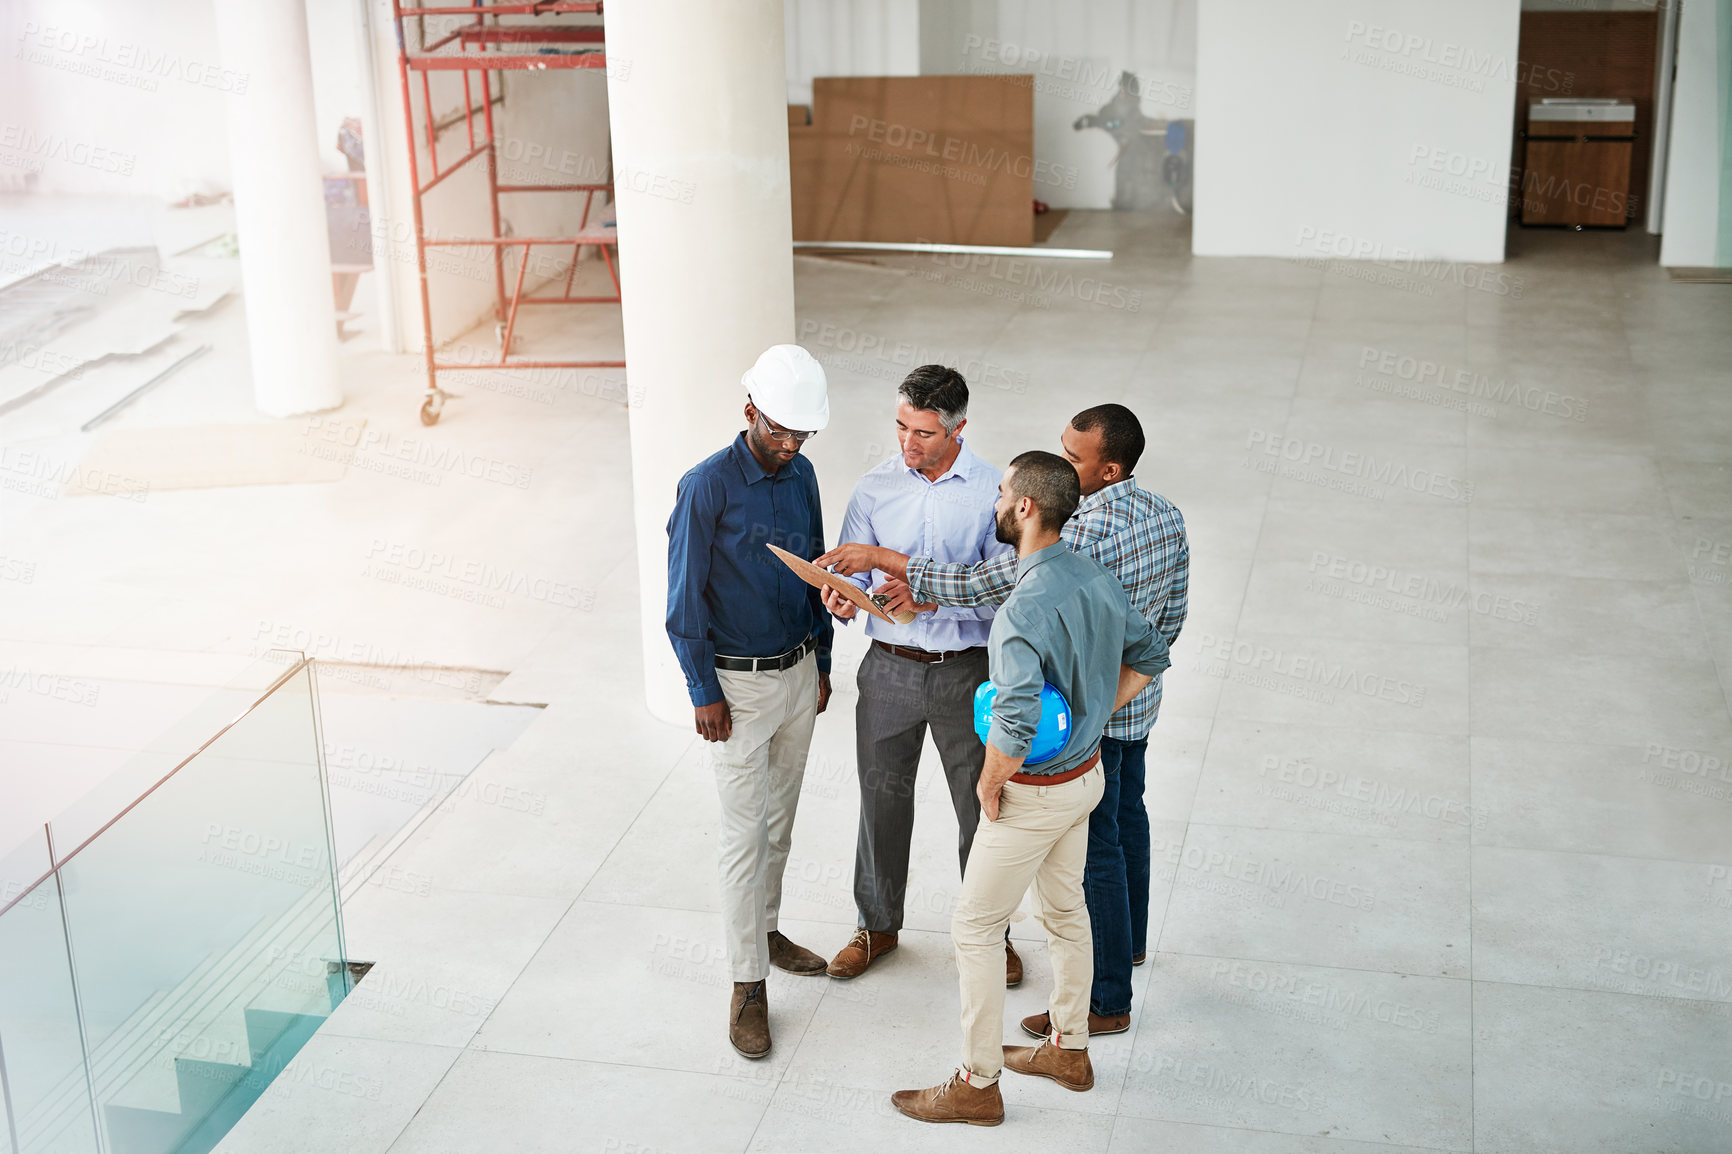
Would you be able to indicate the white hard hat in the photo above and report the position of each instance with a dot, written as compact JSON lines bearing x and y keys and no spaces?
{"x":787,"y":384}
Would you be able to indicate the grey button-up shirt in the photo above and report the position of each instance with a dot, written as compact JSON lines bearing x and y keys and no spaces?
{"x":1069,"y":622}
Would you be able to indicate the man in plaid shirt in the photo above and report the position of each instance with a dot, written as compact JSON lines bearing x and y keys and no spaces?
{"x":1140,"y":537}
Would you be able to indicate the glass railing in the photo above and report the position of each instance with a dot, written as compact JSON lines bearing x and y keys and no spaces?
{"x":161,"y":964}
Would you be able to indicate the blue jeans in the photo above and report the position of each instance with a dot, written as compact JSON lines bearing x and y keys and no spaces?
{"x":1116,"y":877}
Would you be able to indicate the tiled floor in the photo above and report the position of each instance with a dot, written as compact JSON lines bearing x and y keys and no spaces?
{"x":1443,"y":812}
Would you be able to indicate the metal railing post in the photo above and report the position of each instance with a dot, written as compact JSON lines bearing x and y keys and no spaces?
{"x":77,"y":1001}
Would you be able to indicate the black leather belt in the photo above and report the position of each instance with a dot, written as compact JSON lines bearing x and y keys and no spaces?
{"x":767,"y":664}
{"x":924,"y":656}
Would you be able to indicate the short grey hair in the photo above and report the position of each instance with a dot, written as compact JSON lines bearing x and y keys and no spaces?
{"x":937,"y":389}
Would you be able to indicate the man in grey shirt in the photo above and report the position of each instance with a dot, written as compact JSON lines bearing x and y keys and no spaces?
{"x":1068,"y":622}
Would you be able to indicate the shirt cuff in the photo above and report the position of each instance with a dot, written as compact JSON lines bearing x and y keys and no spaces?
{"x":918,"y":567}
{"x":706,"y":692}
{"x":1001,"y":739}
{"x":1153,"y":667}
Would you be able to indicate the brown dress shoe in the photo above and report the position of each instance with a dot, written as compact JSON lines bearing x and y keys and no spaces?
{"x":1012,"y":965}
{"x":952,"y":1101}
{"x":1069,"y":1068}
{"x":1040,"y":1025}
{"x":860,"y":952}
{"x":785,"y":955}
{"x":749,"y":1019}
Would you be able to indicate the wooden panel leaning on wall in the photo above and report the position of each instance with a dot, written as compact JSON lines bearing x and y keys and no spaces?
{"x":941,"y":159}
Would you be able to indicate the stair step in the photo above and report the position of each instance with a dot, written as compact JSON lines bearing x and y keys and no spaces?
{"x":135,"y":1131}
{"x":270,"y":1031}
{"x":204,"y":1084}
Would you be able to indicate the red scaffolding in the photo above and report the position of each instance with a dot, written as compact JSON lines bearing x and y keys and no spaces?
{"x":482,"y":46}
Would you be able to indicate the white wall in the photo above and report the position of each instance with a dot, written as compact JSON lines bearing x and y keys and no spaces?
{"x":103,"y":97}
{"x":1075,"y":49}
{"x":849,"y":38}
{"x":144,"y":83}
{"x":1319,"y":125}
{"x":332,"y":26}
{"x":1697,"y":150}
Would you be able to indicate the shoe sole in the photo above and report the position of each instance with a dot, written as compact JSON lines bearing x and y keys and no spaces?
{"x":747,"y":1053}
{"x":863,"y":969}
{"x":1089,"y":1085}
{"x":1124,"y":1029}
{"x":822,"y":968}
{"x":971,"y":1121}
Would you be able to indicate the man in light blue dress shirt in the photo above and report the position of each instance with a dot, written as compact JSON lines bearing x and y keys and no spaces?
{"x":934,"y":498}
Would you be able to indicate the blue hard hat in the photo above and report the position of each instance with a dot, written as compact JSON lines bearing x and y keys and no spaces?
{"x":1049,"y":738}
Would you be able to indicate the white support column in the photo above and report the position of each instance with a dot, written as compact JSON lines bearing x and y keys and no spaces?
{"x":280,"y":207}
{"x":697,"y":102}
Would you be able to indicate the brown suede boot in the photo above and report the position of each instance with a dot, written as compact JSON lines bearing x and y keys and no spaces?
{"x":952,"y":1100}
{"x":788,"y":957}
{"x":749,"y":1019}
{"x":1012,"y":965}
{"x":1069,"y":1068}
{"x":862,"y":949}
{"x":1040,"y":1025}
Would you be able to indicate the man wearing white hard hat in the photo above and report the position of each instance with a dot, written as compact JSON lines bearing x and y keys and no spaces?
{"x":754,"y":642}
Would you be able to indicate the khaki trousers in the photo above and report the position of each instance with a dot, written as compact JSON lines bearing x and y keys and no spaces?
{"x":758,"y":774}
{"x":1041,"y":836}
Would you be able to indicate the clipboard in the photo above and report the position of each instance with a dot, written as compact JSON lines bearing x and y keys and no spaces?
{"x":820,"y":578}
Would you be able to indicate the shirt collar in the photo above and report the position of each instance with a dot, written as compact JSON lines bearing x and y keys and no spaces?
{"x":1039,"y":557}
{"x":1107,"y":495}
{"x":961,"y":467}
{"x":749,"y":467}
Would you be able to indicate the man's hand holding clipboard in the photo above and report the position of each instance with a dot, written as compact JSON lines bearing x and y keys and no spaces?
{"x":822,"y":579}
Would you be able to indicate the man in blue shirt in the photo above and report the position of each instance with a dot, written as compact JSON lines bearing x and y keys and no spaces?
{"x":1067,"y":623}
{"x":754,"y":642}
{"x":934,"y":498}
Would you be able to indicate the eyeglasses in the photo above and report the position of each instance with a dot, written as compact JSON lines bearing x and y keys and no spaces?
{"x":777,"y":433}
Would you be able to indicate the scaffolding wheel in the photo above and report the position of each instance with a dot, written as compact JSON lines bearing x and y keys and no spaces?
{"x":431,"y":406}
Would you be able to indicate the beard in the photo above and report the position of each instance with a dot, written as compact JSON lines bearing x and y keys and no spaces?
{"x":1004,"y":528}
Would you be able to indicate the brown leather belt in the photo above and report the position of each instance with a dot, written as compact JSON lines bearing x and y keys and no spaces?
{"x":924,"y":656}
{"x":1058,"y":778}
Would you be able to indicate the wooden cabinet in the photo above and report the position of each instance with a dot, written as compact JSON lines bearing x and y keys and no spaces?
{"x":1577,"y":170}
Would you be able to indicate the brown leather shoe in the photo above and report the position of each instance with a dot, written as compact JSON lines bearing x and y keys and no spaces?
{"x":861,"y":951}
{"x":953,"y":1100}
{"x":1040,"y":1025}
{"x":1012,"y":965}
{"x":749,"y":1019}
{"x":785,"y":955}
{"x":1069,"y":1068}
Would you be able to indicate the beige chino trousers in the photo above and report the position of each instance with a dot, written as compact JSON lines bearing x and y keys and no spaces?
{"x":1041,"y":836}
{"x":758,"y":774}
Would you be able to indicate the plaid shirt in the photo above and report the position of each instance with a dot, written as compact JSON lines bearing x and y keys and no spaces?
{"x":1138,"y":535}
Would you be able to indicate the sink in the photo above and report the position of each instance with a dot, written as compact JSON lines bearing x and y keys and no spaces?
{"x":1560,"y":108}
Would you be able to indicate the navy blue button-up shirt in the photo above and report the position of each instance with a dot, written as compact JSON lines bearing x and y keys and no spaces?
{"x":726,"y":592}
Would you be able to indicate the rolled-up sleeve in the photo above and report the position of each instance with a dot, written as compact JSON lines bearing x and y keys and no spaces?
{"x":1016,"y":673}
{"x":691,"y":533}
{"x":986,"y":582}
{"x":1145,"y":648}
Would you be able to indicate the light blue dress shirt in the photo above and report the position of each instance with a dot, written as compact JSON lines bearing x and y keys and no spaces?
{"x":949,"y":520}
